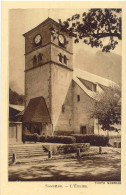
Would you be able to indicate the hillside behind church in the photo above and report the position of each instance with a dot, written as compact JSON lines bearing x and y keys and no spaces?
{"x":107,"y":65}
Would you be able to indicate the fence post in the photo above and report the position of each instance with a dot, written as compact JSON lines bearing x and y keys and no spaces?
{"x":78,"y":152}
{"x":50,"y":154}
{"x":100,"y":149}
{"x":14,"y":158}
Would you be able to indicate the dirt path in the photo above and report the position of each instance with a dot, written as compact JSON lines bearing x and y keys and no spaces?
{"x":104,"y":167}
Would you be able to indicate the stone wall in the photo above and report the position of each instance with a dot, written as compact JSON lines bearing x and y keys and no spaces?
{"x":60,"y":82}
{"x":65,"y":120}
{"x":81,"y":110}
{"x":46,"y":129}
{"x":66,"y":148}
{"x":68,"y":39}
{"x":46,"y":57}
{"x":55,"y":51}
{"x":76,"y":113}
{"x":44,"y":31}
{"x":37,"y":83}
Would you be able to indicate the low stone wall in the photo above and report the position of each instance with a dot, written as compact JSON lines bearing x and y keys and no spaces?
{"x":117,"y":144}
{"x":66,"y":148}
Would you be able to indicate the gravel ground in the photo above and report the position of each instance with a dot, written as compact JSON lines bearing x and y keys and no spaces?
{"x":91,"y":166}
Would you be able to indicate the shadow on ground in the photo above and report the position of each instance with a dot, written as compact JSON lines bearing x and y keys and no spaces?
{"x":105,"y":167}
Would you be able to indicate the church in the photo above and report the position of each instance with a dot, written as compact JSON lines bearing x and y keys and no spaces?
{"x":57,"y":95}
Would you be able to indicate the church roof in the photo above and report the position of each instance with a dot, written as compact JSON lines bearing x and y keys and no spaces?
{"x":92,"y":77}
{"x":79,"y":75}
{"x":16,"y":107}
{"x":20,"y":113}
{"x":37,"y":111}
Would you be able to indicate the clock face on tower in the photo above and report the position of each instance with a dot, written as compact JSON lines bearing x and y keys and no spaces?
{"x":61,"y":39}
{"x":38,"y":39}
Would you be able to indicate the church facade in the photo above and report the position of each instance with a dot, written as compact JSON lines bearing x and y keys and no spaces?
{"x":57,"y":96}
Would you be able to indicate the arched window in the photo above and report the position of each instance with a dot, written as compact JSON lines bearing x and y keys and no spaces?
{"x":94,"y":87}
{"x":60,"y":57}
{"x":39,"y":57}
{"x":34,"y":60}
{"x":65,"y":59}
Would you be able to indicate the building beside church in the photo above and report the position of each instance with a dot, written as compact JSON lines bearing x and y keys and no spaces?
{"x":15,"y":126}
{"x":57,"y":95}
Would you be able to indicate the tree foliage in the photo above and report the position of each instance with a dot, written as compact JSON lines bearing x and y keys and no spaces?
{"x":107,"y":107}
{"x":15,"y":98}
{"x":93,"y":26}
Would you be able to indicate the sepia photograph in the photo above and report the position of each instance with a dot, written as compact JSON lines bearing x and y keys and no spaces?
{"x":65,"y":72}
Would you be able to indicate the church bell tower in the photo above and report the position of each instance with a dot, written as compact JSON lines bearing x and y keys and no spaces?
{"x":48,"y":66}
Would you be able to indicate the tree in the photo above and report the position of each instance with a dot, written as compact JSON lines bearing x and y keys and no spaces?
{"x":107,"y":107}
{"x":15,"y":98}
{"x":93,"y":26}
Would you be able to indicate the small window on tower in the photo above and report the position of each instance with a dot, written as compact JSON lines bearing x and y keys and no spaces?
{"x":40,"y":57}
{"x":60,"y":57}
{"x":78,"y":98}
{"x":65,"y":60}
{"x":34,"y":60}
{"x":94,"y":87}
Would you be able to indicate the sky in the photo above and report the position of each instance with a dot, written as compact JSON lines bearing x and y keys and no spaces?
{"x":23,"y":20}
